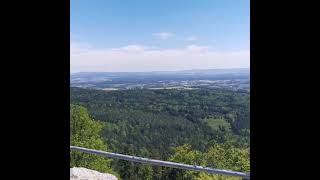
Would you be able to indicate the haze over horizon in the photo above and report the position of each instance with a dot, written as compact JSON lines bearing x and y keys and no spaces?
{"x":123,"y":36}
{"x":223,"y":69}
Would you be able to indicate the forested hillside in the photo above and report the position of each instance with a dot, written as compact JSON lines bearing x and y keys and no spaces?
{"x":205,"y":127}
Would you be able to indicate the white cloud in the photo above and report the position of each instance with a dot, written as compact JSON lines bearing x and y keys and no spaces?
{"x":162,"y":35}
{"x":131,"y":48}
{"x":76,"y":48}
{"x":141,"y":58}
{"x":196,"y":48}
{"x":192,"y":38}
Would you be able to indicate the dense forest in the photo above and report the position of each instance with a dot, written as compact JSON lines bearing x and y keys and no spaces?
{"x":208,"y":127}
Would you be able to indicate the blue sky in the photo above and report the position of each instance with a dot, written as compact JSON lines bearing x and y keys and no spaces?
{"x":111,"y":33}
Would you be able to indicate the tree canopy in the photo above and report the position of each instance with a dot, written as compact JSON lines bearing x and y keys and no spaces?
{"x":208,"y":127}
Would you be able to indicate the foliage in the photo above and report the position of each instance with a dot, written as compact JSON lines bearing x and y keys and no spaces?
{"x":221,"y":156}
{"x":85,"y":132}
{"x":160,"y":123}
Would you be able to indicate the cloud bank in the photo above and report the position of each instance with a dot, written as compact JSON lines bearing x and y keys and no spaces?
{"x":133,"y":58}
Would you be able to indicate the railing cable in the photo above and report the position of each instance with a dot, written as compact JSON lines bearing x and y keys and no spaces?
{"x":161,"y":163}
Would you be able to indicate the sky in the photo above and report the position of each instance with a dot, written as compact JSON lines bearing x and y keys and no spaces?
{"x":159,"y":35}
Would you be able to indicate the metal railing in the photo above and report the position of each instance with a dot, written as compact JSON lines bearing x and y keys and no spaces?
{"x":161,"y":163}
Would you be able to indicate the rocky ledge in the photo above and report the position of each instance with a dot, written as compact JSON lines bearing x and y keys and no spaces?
{"x":78,"y":173}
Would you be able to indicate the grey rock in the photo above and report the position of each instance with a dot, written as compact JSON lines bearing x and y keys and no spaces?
{"x":79,"y":173}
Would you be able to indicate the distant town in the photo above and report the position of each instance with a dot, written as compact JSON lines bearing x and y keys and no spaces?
{"x":235,"y":79}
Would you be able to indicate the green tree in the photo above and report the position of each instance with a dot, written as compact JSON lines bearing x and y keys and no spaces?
{"x":221,"y":156}
{"x":146,"y":172}
{"x":148,"y":123}
{"x":185,"y":154}
{"x":85,"y":132}
{"x":226,"y":156}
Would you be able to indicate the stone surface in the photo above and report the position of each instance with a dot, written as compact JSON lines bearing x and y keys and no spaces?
{"x":78,"y":173}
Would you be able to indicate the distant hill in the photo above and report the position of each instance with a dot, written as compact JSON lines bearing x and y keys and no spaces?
{"x":237,"y":71}
{"x":209,"y":78}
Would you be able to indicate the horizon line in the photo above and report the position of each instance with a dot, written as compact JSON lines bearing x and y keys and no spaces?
{"x":157,"y":71}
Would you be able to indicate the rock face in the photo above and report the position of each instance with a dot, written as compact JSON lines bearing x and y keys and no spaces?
{"x":88,"y":174}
